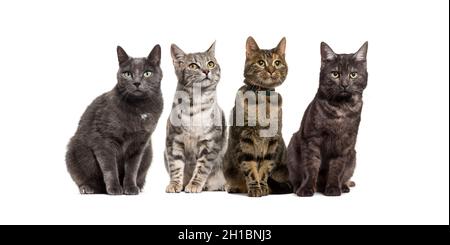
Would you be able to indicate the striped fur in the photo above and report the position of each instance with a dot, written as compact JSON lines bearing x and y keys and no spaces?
{"x":195,"y":140}
{"x":256,"y":164}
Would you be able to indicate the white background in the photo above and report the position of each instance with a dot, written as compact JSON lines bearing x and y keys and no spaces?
{"x":57,"y":56}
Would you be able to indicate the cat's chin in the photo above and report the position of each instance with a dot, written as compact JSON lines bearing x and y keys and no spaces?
{"x":269,"y":84}
{"x":344,"y":96}
{"x":137,"y":95}
{"x":204,"y":83}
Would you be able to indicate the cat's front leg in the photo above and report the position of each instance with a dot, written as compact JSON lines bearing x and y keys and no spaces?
{"x":144,"y":166}
{"x":336,"y":170}
{"x":310,"y":166}
{"x":208,"y":154}
{"x":105,"y":154}
{"x":249,"y":168}
{"x":267,"y":163}
{"x":265,"y":168}
{"x":133,"y":159}
{"x":175,"y":162}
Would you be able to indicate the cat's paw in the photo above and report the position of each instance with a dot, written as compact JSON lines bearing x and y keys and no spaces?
{"x":345,"y":189}
{"x":232,"y":189}
{"x":305,"y":192}
{"x":264,"y":190}
{"x":141,"y":187}
{"x":332,"y":191}
{"x":351,"y":183}
{"x":86,"y":190}
{"x":114,"y":190}
{"x":131,"y":190}
{"x":193,"y":188}
{"x":174,"y":188}
{"x":255,"y":192}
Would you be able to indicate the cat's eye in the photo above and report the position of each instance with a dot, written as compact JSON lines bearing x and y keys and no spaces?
{"x":353,"y":75}
{"x":193,"y":66}
{"x":335,"y":74}
{"x":211,"y":65}
{"x":126,"y":74}
{"x":261,"y":63}
{"x":277,"y":63}
{"x":147,"y":73}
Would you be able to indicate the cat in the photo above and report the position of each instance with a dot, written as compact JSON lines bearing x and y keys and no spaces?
{"x":255,"y":163}
{"x":321,"y":155}
{"x":194,"y":149}
{"x":111,"y":150}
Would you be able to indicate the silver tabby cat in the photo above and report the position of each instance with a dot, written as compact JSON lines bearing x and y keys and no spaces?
{"x":196,"y":136}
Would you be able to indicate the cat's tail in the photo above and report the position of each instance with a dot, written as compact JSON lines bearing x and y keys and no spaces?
{"x":278,"y":187}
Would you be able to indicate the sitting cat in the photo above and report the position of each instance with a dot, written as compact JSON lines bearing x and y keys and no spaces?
{"x":255,"y":161}
{"x":321,"y":155}
{"x":196,"y":136}
{"x":111,"y":150}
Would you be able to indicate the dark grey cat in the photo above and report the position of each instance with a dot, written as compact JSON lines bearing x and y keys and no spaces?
{"x":321,"y":155}
{"x":111,"y":150}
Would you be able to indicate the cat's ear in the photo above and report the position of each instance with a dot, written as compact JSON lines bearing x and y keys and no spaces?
{"x":177,"y":54}
{"x":326,"y":52}
{"x":212,"y":50}
{"x":251,"y":46}
{"x":281,"y":47}
{"x":361,"y":55}
{"x":122,"y":56}
{"x":155,"y":55}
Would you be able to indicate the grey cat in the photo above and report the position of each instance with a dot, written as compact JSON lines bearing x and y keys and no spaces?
{"x":196,"y":137}
{"x":111,"y":150}
{"x":321,"y":155}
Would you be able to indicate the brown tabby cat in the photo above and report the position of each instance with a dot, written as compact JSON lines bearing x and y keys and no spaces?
{"x":255,"y":161}
{"x":321,"y":155}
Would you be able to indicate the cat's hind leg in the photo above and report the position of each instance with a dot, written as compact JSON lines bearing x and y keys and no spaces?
{"x":84,"y":169}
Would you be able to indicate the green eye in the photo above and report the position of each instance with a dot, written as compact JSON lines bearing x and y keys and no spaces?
{"x":277,"y":63}
{"x":211,"y":65}
{"x":193,"y":66}
{"x":147,"y":74}
{"x":335,"y":74}
{"x":261,"y":63}
{"x":353,"y":75}
{"x":126,"y":74}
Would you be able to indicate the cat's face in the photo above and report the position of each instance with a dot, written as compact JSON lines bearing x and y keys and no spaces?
{"x":139,"y":77}
{"x":343,"y":75}
{"x":196,"y":68}
{"x":265,"y":68}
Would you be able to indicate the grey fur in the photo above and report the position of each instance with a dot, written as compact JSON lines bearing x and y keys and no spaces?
{"x":194,"y":152}
{"x":321,"y":154}
{"x":111,"y":150}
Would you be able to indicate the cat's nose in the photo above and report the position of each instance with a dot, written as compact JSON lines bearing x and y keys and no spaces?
{"x":137,"y":84}
{"x":206,"y":72}
{"x":344,"y":85}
